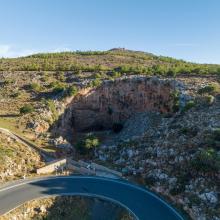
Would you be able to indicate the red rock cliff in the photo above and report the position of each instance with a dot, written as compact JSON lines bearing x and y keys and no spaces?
{"x":115,"y":101}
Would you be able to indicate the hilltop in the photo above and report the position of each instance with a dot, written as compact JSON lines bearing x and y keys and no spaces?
{"x":119,"y":60}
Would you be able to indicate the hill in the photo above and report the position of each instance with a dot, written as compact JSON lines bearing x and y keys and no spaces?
{"x":153,"y":118}
{"x":119,"y":60}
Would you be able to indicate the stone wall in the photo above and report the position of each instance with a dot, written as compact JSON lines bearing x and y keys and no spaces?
{"x":51,"y":167}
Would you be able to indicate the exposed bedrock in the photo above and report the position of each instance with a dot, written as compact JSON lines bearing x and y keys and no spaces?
{"x":116,"y":101}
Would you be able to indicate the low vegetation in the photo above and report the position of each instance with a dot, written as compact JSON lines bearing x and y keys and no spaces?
{"x":87,"y":144}
{"x":209,"y":89}
{"x":213,"y":139}
{"x":207,"y":161}
{"x":71,"y":91}
{"x":16,"y":159}
{"x":175,"y":96}
{"x":189,"y":105}
{"x":57,"y":87}
{"x":36,"y":87}
{"x":95,"y":83}
{"x":27,"y":108}
{"x":52,"y":107}
{"x":122,"y":61}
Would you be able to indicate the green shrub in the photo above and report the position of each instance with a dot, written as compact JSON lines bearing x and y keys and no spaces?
{"x":194,"y":199}
{"x":116,"y":74}
{"x":95,"y":83}
{"x":9,"y":81}
{"x":35,"y":87}
{"x":189,"y":131}
{"x":150,"y":180}
{"x":182,"y":179}
{"x":61,"y":76}
{"x":15,"y":94}
{"x":213,"y":139}
{"x":206,"y":160}
{"x":52,"y":107}
{"x":91,"y":142}
{"x":175,"y":96}
{"x":110,"y":110}
{"x":209,"y":89}
{"x":184,"y":130}
{"x":27,"y":108}
{"x":87,"y":144}
{"x":71,"y":91}
{"x":189,"y":105}
{"x":78,"y":72}
{"x":216,"y":134}
{"x":6,"y":82}
{"x":54,"y":84}
{"x":179,"y":188}
{"x":5,"y":152}
{"x":57,"y":87}
{"x":171,"y":72}
{"x":98,"y":75}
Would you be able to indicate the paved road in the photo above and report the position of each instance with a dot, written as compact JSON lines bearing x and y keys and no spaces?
{"x":142,"y":203}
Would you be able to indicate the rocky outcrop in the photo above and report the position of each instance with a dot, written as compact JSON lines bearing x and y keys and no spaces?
{"x":116,"y":101}
{"x":165,"y":157}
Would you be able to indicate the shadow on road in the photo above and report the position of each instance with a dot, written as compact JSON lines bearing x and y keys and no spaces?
{"x":81,"y":205}
{"x":136,"y":200}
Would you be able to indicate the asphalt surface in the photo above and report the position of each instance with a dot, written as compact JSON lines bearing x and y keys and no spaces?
{"x":141,"y":203}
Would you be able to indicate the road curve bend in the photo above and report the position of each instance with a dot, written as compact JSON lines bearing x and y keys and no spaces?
{"x":142,"y":203}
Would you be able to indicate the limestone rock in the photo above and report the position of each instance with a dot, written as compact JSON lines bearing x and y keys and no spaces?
{"x":210,"y":197}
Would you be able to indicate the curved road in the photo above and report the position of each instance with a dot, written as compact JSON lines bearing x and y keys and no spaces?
{"x":141,"y":203}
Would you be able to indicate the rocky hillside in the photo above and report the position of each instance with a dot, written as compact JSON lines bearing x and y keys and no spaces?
{"x":175,"y":155}
{"x":156,"y":119}
{"x":16,"y":159}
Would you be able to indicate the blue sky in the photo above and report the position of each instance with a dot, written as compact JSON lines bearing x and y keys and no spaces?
{"x":186,"y":29}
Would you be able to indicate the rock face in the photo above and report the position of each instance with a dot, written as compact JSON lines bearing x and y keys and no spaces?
{"x":116,"y":101}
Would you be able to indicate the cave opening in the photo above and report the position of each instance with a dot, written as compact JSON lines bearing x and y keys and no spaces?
{"x":109,"y":106}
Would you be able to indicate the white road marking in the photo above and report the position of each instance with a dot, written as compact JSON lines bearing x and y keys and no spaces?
{"x":100,"y":178}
